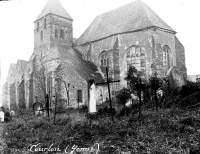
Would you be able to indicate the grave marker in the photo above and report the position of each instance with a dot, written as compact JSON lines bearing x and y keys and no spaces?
{"x":108,"y":83}
{"x":1,"y":115}
{"x":92,"y":102}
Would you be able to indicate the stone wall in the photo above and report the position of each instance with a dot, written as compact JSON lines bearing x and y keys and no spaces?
{"x":46,"y":32}
{"x":20,"y":84}
{"x":53,"y":22}
{"x":75,"y":82}
{"x":150,"y":40}
{"x":176,"y":77}
{"x":64,"y":24}
{"x":12,"y":95}
{"x":21,"y":95}
{"x":5,"y":96}
{"x":16,"y":85}
{"x":11,"y":86}
{"x":180,"y":56}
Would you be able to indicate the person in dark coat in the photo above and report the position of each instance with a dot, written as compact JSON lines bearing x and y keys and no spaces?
{"x":7,"y":116}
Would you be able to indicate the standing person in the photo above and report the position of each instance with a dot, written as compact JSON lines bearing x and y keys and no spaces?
{"x":7,"y":116}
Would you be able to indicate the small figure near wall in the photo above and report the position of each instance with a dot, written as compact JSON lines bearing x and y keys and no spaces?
{"x":92,"y":103}
{"x":7,"y":116}
{"x":1,"y":114}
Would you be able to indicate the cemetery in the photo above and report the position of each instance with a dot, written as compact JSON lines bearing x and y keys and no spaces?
{"x":120,"y":88}
{"x":154,"y":121}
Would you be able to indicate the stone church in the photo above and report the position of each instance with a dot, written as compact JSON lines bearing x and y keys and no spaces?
{"x":60,"y":65}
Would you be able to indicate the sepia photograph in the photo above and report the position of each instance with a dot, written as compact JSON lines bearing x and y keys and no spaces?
{"x":99,"y":77}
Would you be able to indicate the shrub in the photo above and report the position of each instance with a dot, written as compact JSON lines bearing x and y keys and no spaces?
{"x":189,"y":89}
{"x":125,"y":111}
{"x":62,"y":121}
{"x":106,"y":111}
{"x":83,"y":109}
{"x":123,"y":96}
{"x":60,"y":110}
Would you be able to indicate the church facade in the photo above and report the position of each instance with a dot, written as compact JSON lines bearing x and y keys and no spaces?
{"x":132,"y":35}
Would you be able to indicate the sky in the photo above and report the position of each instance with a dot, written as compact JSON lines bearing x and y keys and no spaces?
{"x":17,"y":17}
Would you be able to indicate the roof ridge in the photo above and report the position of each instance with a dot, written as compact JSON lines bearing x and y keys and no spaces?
{"x":117,"y":8}
{"x":150,"y":18}
{"x":128,"y":18}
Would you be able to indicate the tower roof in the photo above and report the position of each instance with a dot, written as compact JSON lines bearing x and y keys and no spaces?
{"x":54,"y":7}
{"x":131,"y":17}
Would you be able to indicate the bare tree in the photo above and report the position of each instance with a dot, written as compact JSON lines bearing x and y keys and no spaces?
{"x":41,"y":75}
{"x":135,"y":83}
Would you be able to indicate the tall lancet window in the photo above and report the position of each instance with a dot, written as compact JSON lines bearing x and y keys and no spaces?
{"x":137,"y":59}
{"x":135,"y":56}
{"x":45,"y":23}
{"x":166,"y":58}
{"x":38,"y":24}
{"x":62,"y":34}
{"x":56,"y":33}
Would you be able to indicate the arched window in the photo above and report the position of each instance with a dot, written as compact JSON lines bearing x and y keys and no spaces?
{"x":41,"y":35}
{"x":104,"y":60}
{"x":38,"y":24}
{"x":62,"y":34}
{"x":56,"y":33}
{"x":135,"y":56}
{"x":45,"y":23}
{"x":166,"y":58}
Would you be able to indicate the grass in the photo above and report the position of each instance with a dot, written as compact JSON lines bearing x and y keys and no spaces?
{"x":154,"y":133}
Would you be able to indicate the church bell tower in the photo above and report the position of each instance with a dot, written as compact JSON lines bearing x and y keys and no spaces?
{"x":53,"y":26}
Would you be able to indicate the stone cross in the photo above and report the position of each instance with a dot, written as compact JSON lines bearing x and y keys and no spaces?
{"x":140,"y":87}
{"x":37,"y":108}
{"x":108,"y":83}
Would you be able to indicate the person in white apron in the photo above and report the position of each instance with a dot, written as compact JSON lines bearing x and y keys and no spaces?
{"x":92,"y":102}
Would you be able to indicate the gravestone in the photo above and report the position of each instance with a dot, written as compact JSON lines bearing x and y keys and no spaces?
{"x":92,"y":102}
{"x":134,"y":99}
{"x":1,"y":115}
{"x":38,"y":108}
{"x":12,"y":113}
{"x":176,"y":77}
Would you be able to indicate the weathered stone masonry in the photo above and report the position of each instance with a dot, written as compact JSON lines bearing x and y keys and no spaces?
{"x":130,"y":35}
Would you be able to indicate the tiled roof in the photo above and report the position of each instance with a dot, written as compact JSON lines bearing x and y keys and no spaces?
{"x":54,"y":7}
{"x":131,"y":17}
{"x":71,"y":57}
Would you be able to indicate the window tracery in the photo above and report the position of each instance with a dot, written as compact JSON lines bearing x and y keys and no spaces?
{"x":104,"y":60}
{"x":166,"y":58}
{"x":135,"y":56}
